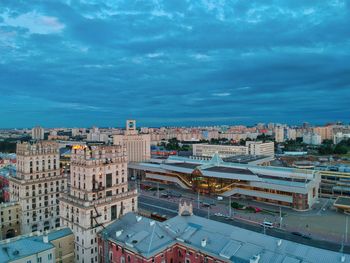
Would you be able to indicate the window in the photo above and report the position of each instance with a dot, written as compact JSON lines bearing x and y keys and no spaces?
{"x":108,"y":180}
{"x":49,"y":256}
{"x":113,"y":212}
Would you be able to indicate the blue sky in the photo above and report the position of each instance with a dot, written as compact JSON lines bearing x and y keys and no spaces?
{"x":173,"y":62}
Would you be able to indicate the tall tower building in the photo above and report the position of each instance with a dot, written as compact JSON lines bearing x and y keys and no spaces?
{"x":98,"y":195}
{"x":38,"y":133}
{"x":279,"y":134}
{"x":37,"y":185}
{"x":138,"y":146}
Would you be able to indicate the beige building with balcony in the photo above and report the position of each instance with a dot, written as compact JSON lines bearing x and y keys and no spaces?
{"x":10,"y":214}
{"x":37,"y":185}
{"x":138,"y":145}
{"x":98,"y":195}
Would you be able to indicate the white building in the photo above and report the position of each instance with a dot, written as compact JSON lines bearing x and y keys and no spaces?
{"x":98,"y":195}
{"x":95,"y":135}
{"x":37,"y":185}
{"x":312,"y":138}
{"x":138,"y":145}
{"x":209,"y":150}
{"x":38,"y":133}
{"x":339,"y":136}
{"x":261,"y":148}
{"x":291,"y":134}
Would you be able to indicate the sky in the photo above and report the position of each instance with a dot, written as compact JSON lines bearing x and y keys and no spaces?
{"x":173,"y":62}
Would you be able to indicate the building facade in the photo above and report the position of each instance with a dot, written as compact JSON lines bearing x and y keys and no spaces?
{"x":37,"y":185}
{"x":261,"y":148}
{"x":10,"y":218}
{"x":98,"y":195}
{"x":138,"y":145}
{"x":208,"y":150}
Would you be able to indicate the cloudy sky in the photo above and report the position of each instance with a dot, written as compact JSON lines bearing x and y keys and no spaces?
{"x":173,"y":62}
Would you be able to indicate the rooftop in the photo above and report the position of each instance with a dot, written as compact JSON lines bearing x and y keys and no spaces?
{"x":147,"y":237}
{"x":26,"y":245}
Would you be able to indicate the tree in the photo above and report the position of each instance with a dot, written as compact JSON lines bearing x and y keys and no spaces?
{"x":340,"y":149}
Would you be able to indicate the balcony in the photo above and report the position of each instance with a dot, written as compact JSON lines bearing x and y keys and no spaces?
{"x":85,"y":204}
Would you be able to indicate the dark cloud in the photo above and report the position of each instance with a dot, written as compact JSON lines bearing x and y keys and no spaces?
{"x":81,"y":63}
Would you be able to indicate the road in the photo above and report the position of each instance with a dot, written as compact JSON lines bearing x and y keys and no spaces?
{"x":164,"y":207}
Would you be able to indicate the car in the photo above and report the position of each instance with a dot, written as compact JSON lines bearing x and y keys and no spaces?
{"x":267,"y":224}
{"x":219,"y":215}
{"x":164,"y":195}
{"x":296,"y":233}
{"x":220,"y":198}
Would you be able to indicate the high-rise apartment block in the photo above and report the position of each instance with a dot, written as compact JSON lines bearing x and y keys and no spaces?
{"x":98,"y":195}
{"x":138,"y":145}
{"x":279,"y":134}
{"x":325,"y":132}
{"x":38,"y":133}
{"x":37,"y":184}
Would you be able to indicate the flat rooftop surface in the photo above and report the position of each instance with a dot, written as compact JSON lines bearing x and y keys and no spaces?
{"x":184,"y":165}
{"x":223,"y":169}
{"x":343,"y":201}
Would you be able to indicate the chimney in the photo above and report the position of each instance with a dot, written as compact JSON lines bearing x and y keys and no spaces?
{"x":119,"y":233}
{"x":204,"y":242}
{"x":45,"y":238}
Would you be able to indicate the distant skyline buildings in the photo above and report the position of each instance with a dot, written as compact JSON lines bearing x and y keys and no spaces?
{"x":120,"y":123}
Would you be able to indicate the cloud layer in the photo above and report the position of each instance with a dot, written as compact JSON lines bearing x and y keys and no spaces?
{"x":164,"y":62}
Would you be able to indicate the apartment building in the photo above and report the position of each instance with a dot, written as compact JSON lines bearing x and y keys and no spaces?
{"x":279,"y":133}
{"x":52,"y":246}
{"x":98,"y":195}
{"x":37,"y":185}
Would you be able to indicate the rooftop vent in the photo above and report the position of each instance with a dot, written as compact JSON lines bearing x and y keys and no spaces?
{"x":138,"y":218}
{"x":204,"y":242}
{"x":254,"y":259}
{"x":119,"y":233}
{"x":342,"y":259}
{"x":279,"y":242}
{"x":45,"y":238}
{"x":152,"y":223}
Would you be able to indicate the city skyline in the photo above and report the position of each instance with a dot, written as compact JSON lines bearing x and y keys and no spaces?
{"x":72,"y":64}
